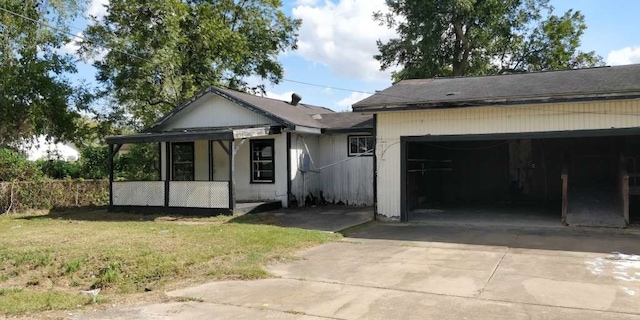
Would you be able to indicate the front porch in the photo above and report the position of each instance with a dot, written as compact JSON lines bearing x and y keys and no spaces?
{"x":197,"y":172}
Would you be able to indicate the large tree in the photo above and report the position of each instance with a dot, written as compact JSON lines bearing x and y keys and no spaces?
{"x":479,"y":37}
{"x":161,"y":52}
{"x":36,"y":95}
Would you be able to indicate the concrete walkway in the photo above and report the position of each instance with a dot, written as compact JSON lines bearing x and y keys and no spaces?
{"x":423,"y":272}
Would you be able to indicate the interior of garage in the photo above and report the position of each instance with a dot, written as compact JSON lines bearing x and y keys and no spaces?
{"x":520,"y":180}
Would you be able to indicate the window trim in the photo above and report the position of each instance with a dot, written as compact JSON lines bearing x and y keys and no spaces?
{"x":273,"y":161}
{"x":362,"y":154}
{"x":193,"y":167}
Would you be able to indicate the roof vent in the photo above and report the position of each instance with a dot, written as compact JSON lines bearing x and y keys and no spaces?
{"x":295,"y":98}
{"x":452,"y":93}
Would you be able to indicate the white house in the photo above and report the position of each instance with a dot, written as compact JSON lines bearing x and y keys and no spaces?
{"x":45,"y":149}
{"x":224,"y":149}
{"x":559,"y":145}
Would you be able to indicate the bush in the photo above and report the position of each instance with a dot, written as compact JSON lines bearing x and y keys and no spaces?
{"x":94,"y":162}
{"x":59,"y":169}
{"x":15,"y":166}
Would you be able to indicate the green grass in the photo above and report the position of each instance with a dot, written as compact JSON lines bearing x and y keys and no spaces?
{"x":46,"y":260}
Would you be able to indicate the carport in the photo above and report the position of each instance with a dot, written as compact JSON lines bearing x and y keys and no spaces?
{"x":542,"y":179}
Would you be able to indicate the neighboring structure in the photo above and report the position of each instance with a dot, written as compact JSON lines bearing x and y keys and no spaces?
{"x":567,"y":139}
{"x":45,"y":149}
{"x":224,"y":148}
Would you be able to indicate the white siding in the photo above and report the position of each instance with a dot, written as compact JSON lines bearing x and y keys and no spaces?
{"x":350,"y":181}
{"x":201,"y":160}
{"x":486,"y":120}
{"x":302,"y":183}
{"x":213,"y":111}
{"x":245,"y":190}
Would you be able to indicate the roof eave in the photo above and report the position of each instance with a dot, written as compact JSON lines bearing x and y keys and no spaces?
{"x":493,"y":102}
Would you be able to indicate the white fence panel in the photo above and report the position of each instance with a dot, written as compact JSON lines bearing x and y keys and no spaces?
{"x":199,"y":194}
{"x":138,"y":193}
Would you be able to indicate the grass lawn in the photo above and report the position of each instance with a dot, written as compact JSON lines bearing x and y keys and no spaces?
{"x":47,"y":259}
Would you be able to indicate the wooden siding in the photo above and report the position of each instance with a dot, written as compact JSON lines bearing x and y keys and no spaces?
{"x":245,"y":190}
{"x":350,"y":181}
{"x":214,"y":111}
{"x":486,"y":120}
{"x":302,"y":183}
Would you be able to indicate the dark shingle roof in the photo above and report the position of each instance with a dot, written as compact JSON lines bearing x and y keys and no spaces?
{"x":347,"y":120}
{"x":299,"y":114}
{"x":534,"y":87}
{"x":281,"y":111}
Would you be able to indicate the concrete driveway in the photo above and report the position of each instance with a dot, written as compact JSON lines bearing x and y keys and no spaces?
{"x":386,"y":271}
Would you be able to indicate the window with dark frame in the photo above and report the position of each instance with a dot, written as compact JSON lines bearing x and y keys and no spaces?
{"x":360,"y":146}
{"x":182,"y":161}
{"x":262,"y":161}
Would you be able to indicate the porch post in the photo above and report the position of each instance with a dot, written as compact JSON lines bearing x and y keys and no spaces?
{"x":167,"y":176}
{"x":232,"y":195}
{"x":111,"y":155}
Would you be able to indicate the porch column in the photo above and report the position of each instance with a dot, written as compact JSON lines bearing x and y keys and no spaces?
{"x":232,"y":195}
{"x":111,"y":155}
{"x":167,"y":176}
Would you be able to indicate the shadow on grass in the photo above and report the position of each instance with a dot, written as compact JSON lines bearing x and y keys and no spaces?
{"x":101,"y":214}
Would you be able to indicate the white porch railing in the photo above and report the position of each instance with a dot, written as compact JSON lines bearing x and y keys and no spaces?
{"x":199,"y":194}
{"x":138,"y":193}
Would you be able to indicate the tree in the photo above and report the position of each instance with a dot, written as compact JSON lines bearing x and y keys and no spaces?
{"x":36,"y":96}
{"x":160,"y":53}
{"x":480,"y":37}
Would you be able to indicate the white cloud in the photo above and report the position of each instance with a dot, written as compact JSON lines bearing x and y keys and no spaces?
{"x":342,"y":36}
{"x":97,"y":8}
{"x":628,"y":55}
{"x":72,"y":46}
{"x":351,"y":99}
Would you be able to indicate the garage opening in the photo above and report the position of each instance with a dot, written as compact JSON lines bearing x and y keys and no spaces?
{"x":521,"y":181}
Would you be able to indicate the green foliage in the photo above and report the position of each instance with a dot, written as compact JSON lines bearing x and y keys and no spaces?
{"x":165,"y":51}
{"x":59,"y":169}
{"x":36,"y":95}
{"x":139,"y":164}
{"x":46,"y":194}
{"x":94,"y":163}
{"x":15,"y":166}
{"x":473,"y":37}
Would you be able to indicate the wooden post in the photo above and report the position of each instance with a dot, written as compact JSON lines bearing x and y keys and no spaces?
{"x":111,"y":155}
{"x":565,"y":192}
{"x":167,"y":176}
{"x":232,"y":196}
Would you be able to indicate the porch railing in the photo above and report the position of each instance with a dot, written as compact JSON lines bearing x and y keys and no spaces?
{"x":188,"y":194}
{"x":138,"y":193}
{"x":199,"y":194}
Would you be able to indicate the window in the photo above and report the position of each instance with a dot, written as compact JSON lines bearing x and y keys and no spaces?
{"x":262,"y":155}
{"x":182,"y":161}
{"x":360,"y":146}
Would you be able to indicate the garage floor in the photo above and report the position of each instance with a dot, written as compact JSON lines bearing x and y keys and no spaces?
{"x":496,"y":215}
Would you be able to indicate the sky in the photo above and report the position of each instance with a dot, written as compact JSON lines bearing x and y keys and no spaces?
{"x":337,"y":41}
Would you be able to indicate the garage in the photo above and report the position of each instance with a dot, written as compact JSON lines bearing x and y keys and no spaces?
{"x":518,"y":179}
{"x":535,"y":149}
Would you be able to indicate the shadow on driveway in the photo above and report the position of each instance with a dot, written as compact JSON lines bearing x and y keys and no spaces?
{"x":599,"y":240}
{"x":323,"y":218}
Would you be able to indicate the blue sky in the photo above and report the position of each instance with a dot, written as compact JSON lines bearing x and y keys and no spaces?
{"x":337,"y":42}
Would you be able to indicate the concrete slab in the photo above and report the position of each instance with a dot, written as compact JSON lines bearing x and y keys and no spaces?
{"x":324,"y":218}
{"x":193,"y":310}
{"x":339,"y":301}
{"x":388,"y":271}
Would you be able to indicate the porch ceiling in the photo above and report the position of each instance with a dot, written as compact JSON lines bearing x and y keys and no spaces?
{"x":193,"y":134}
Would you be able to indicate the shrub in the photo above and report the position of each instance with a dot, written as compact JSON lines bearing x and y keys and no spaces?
{"x":15,"y":166}
{"x":59,"y":169}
